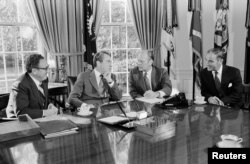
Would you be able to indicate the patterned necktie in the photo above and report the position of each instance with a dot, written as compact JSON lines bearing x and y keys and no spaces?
{"x":217,"y":81}
{"x":101,"y":87}
{"x":41,"y":89}
{"x":146,"y":80}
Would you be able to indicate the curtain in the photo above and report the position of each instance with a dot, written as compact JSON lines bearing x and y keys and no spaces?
{"x":59,"y":24}
{"x":247,"y":54}
{"x":147,"y":17}
{"x":221,"y":35}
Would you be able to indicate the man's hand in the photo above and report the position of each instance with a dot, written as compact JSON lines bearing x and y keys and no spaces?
{"x":151,"y":94}
{"x":52,"y":110}
{"x":107,"y":76}
{"x":215,"y":100}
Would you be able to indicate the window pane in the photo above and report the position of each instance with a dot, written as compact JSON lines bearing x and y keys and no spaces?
{"x":8,"y":11}
{"x":29,"y":39}
{"x":2,"y":87}
{"x":1,"y":67}
{"x":106,"y":13}
{"x":119,"y":61}
{"x":9,"y":38}
{"x":119,"y":37}
{"x":24,"y":12}
{"x":9,"y":83}
{"x":129,"y":19}
{"x":118,"y":11}
{"x":122,"y":81}
{"x":1,"y":46}
{"x":132,"y":58}
{"x":104,"y":38}
{"x":133,"y":42}
{"x":11,"y":65}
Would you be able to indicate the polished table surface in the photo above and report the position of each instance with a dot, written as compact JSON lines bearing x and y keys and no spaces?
{"x":193,"y":130}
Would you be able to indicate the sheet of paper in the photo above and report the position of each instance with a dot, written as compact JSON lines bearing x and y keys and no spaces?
{"x":150,"y":100}
{"x":113,"y":119}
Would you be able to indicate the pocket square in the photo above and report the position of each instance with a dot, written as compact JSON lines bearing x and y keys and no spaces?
{"x":230,"y":85}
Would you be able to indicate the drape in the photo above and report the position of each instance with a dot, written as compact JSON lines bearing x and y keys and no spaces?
{"x":92,"y":19}
{"x":247,"y":53}
{"x":147,"y":18}
{"x":59,"y":24}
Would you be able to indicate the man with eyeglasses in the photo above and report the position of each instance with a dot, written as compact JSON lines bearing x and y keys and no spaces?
{"x":32,"y":90}
{"x":96,"y":86}
{"x":147,"y":80}
{"x":220,"y":84}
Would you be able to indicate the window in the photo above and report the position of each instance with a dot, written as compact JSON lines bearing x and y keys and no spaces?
{"x":117,"y":35}
{"x":18,"y":39}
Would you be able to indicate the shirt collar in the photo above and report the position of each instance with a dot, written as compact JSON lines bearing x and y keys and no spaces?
{"x":149,"y":71}
{"x":219,"y":70}
{"x":35,"y":80}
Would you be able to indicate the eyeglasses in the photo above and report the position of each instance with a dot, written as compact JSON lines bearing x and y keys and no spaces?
{"x":46,"y":68}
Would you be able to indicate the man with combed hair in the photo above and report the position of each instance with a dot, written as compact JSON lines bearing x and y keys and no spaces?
{"x":96,"y":86}
{"x":148,"y":80}
{"x":220,"y":84}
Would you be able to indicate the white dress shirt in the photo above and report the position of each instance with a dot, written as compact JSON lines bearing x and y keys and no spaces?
{"x":219,"y":75}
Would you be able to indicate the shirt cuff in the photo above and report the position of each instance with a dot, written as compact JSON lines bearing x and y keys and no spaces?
{"x":161,"y":94}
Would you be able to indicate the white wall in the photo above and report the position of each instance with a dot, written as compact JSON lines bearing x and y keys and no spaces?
{"x":237,"y":37}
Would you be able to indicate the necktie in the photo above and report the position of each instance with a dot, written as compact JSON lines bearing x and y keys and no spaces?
{"x":101,"y":87}
{"x":40,"y":88}
{"x":217,"y":81}
{"x":146,"y":80}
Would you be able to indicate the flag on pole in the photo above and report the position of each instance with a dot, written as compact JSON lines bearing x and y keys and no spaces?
{"x":168,"y":23}
{"x":196,"y":38}
{"x":221,"y":27}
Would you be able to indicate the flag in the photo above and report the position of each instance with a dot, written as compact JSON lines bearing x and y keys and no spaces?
{"x":195,"y":36}
{"x":168,"y":23}
{"x":221,"y":27}
{"x":247,"y":54}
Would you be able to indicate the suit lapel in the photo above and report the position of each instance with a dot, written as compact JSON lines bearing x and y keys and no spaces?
{"x":224,"y":75}
{"x":93,"y":80}
{"x":36,"y":92}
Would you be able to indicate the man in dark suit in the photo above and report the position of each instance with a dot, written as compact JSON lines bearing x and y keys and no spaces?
{"x":32,"y":89}
{"x":147,"y":80}
{"x":220,"y":84}
{"x":96,"y":86}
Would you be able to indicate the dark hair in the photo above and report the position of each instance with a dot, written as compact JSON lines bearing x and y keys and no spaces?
{"x":217,"y":52}
{"x":33,"y":61}
{"x":99,"y":57}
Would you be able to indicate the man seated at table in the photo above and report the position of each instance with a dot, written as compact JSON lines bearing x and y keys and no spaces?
{"x":30,"y":92}
{"x":220,"y":84}
{"x":96,"y":86}
{"x":148,"y":80}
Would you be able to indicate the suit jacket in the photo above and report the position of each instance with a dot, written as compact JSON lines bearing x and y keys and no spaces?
{"x":159,"y":80}
{"x":86,"y":90}
{"x":29,"y":100}
{"x":231,"y":86}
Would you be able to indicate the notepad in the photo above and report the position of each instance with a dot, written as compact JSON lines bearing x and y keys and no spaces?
{"x":150,"y":100}
{"x":56,"y":126}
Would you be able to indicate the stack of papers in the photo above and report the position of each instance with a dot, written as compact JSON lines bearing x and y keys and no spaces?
{"x":56,"y":126}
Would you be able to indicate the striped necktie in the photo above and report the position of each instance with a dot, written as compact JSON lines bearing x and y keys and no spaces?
{"x":146,"y":80}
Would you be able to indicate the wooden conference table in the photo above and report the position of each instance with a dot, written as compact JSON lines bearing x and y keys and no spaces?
{"x":193,"y":130}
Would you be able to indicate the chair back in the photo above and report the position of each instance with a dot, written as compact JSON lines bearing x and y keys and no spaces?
{"x":71,"y":83}
{"x":4,"y":98}
{"x":246,"y":96}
